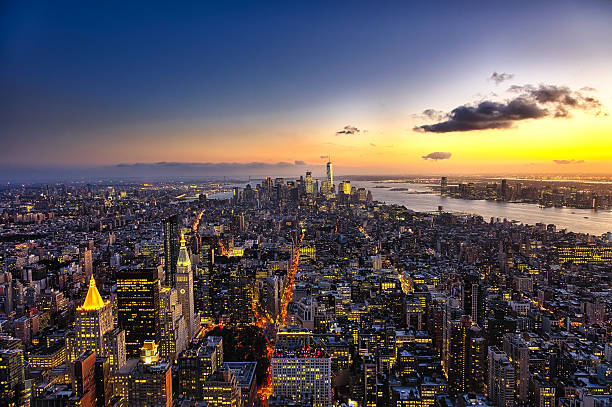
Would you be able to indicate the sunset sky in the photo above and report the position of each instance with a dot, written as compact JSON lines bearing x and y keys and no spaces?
{"x":508,"y":86}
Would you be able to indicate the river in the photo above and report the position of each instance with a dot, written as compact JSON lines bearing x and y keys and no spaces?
{"x":574,"y":220}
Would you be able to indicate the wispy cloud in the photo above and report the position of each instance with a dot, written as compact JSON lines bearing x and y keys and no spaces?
{"x":351,"y":130}
{"x":499,"y":77}
{"x":437,"y":155}
{"x":533,"y":102}
{"x":563,"y":162}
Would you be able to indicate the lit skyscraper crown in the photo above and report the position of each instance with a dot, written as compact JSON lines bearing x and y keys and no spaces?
{"x":93,"y":301}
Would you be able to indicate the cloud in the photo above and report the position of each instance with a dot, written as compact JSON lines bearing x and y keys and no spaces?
{"x":438,"y":155}
{"x":324,"y":156}
{"x":348,"y":130}
{"x":373,"y":145}
{"x":299,"y":162}
{"x":533,"y":102}
{"x":568,"y":161}
{"x":436,"y":115}
{"x":500,"y":77}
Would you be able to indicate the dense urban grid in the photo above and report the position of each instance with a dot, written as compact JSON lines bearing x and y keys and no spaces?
{"x":293,"y":293}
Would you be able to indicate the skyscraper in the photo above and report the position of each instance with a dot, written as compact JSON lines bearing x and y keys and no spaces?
{"x":308,"y":185}
{"x":171,"y":248}
{"x":150,"y":381}
{"x":184,"y":285}
{"x":300,"y":372}
{"x":330,"y":178}
{"x":465,"y":359}
{"x":138,"y":291}
{"x":500,"y":383}
{"x":93,"y":320}
{"x":83,"y":374}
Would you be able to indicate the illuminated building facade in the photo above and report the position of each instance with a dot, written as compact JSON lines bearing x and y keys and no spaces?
{"x":150,"y":381}
{"x":195,"y":365}
{"x":12,"y":376}
{"x":138,"y":291}
{"x":302,"y":373}
{"x":221,"y":389}
{"x":171,"y":248}
{"x":184,"y":286}
{"x":173,"y":330}
{"x":93,"y":320}
{"x":83,"y":376}
{"x":501,"y":381}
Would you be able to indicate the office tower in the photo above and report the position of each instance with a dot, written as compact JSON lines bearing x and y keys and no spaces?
{"x":138,"y":291}
{"x":202,"y":280}
{"x":12,"y":376}
{"x":114,"y":348}
{"x":504,"y":189}
{"x":501,"y":381}
{"x":222,"y":389}
{"x":443,"y":186}
{"x":346,"y":187}
{"x":93,"y":320}
{"x":300,"y":373}
{"x":308,"y":185}
{"x":184,"y":285}
{"x":171,"y":248}
{"x":473,"y":298}
{"x":245,"y":375}
{"x":150,"y":381}
{"x":330,"y":175}
{"x":103,"y":380}
{"x":196,"y":364}
{"x":83,"y":375}
{"x":173,"y":330}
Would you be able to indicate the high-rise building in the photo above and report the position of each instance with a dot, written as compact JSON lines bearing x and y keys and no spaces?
{"x":221,"y":389}
{"x":150,"y":382}
{"x":541,"y":393}
{"x":500,"y":383}
{"x":195,"y":365}
{"x":302,"y":373}
{"x":443,"y":186}
{"x":12,"y":376}
{"x":103,"y":382}
{"x":308,"y":185}
{"x":202,"y":280}
{"x":138,"y":291}
{"x":171,"y":248}
{"x":93,"y":320}
{"x":184,"y":286}
{"x":114,"y":348}
{"x":518,"y":352}
{"x":83,"y":375}
{"x":173,"y":330}
{"x":465,"y":359}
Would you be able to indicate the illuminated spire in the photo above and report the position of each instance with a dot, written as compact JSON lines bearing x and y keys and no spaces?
{"x":93,"y":301}
{"x":183,"y":258}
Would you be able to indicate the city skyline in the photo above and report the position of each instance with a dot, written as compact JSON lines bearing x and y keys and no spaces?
{"x":212,"y":89}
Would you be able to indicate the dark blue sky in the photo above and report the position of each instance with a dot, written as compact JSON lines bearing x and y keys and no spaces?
{"x":72,"y":73}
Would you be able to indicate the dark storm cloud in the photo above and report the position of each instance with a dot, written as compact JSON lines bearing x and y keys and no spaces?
{"x":348,"y":130}
{"x":500,"y":77}
{"x":438,"y":155}
{"x":533,"y":102}
{"x":568,"y":161}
